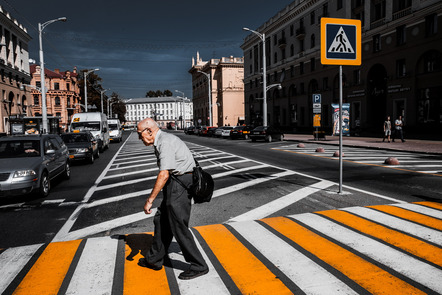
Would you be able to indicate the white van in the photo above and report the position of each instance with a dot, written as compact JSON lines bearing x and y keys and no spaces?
{"x":96,"y":123}
{"x":115,"y":130}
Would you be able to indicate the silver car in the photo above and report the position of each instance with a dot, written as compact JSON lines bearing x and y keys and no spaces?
{"x":28,"y":163}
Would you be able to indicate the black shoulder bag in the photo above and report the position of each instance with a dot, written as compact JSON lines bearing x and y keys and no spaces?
{"x":202,"y":186}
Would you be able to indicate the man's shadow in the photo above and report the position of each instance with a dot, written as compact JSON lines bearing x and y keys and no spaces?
{"x":138,"y":243}
{"x":141,"y":243}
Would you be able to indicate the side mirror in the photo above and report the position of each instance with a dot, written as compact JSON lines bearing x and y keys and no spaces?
{"x":50,"y":152}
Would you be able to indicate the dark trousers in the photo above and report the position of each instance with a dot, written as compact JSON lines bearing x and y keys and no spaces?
{"x":172,"y":220}
{"x":398,"y":133}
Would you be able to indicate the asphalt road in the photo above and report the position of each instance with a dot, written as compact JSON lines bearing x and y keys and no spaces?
{"x":253,"y":180}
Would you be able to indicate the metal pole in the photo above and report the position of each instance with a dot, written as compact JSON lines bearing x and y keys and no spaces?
{"x":340,"y":129}
{"x":264,"y":79}
{"x":183,"y":119}
{"x":85,"y":91}
{"x":102,"y":100}
{"x":42,"y":81}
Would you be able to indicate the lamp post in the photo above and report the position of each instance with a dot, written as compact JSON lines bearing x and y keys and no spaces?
{"x":85,"y":85}
{"x":264,"y":72}
{"x":210,"y":96}
{"x":111,"y":108}
{"x":182,"y":108}
{"x":101,"y":94}
{"x":41,"y":27}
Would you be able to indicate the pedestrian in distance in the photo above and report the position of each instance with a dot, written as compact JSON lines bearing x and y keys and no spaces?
{"x":174,"y":160}
{"x":398,"y":125}
{"x":387,"y":129}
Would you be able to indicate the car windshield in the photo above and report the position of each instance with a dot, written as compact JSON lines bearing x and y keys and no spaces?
{"x":73,"y":138}
{"x":113,"y":126}
{"x":92,"y":126}
{"x":19,"y":149}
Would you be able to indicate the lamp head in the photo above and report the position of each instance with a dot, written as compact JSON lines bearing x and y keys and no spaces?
{"x":279,"y":87}
{"x":246,"y":29}
{"x":63,"y":19}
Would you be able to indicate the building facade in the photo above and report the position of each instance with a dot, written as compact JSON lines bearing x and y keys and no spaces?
{"x":227,"y":91}
{"x":164,"y":110}
{"x":400,"y":72}
{"x":62,"y":94}
{"x":14,"y":70}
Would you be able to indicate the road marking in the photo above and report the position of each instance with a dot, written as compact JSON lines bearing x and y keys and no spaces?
{"x":48,"y":272}
{"x":421,"y":272}
{"x":234,"y":256}
{"x":419,"y":209}
{"x":297,"y":266}
{"x":12,"y":261}
{"x":282,"y":202}
{"x":351,"y":265}
{"x":94,"y":273}
{"x":46,"y":202}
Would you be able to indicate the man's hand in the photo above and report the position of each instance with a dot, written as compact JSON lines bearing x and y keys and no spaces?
{"x":147,"y":207}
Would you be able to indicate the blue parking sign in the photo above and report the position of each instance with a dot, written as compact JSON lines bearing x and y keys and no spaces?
{"x":316,"y":98}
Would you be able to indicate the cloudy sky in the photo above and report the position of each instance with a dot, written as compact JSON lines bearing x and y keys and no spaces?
{"x":139,"y":45}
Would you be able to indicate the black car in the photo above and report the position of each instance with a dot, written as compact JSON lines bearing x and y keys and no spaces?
{"x":267,"y":133}
{"x":82,"y":146}
{"x":190,"y":130}
{"x":240,"y":132}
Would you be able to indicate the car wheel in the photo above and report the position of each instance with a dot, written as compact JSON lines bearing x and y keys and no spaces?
{"x":45,"y":185}
{"x":91,"y":159}
{"x":67,"y":171}
{"x":269,"y":138}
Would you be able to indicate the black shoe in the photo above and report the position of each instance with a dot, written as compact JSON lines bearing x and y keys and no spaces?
{"x":191,"y":274}
{"x":143,"y":262}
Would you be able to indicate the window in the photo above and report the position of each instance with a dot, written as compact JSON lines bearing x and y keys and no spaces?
{"x":379,"y":10}
{"x":38,"y":84}
{"x":400,"y":68}
{"x":275,"y":41}
{"x":312,"y":64}
{"x":312,"y":41}
{"x":275,"y":57}
{"x":291,"y":30}
{"x":292,"y":50}
{"x":325,"y":10}
{"x":301,"y":68}
{"x":431,"y":25}
{"x":292,"y":71}
{"x":302,"y":88}
{"x":376,"y":43}
{"x":68,"y":86}
{"x":301,"y":45}
{"x":57,"y":101}
{"x":312,"y":18}
{"x":56,"y":86}
{"x":36,"y":100}
{"x":400,"y":35}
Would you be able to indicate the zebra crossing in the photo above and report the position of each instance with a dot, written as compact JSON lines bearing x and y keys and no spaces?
{"x":421,"y":163}
{"x":380,"y":249}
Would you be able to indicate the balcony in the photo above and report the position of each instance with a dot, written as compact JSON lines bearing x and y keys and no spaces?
{"x":300,"y":33}
{"x":377,"y":23}
{"x":401,"y":13}
{"x":282,"y":43}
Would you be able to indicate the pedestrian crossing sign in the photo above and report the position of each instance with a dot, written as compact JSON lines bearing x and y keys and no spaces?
{"x":340,"y":41}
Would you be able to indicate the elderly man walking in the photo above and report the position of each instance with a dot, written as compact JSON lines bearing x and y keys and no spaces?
{"x":172,"y":217}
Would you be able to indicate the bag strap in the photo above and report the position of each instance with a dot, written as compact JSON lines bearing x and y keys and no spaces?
{"x":179,"y":181}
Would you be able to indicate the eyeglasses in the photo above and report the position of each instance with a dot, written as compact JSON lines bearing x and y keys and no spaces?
{"x":141,"y":132}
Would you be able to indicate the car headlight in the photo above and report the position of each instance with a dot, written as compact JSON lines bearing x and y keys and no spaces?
{"x":24,"y":173}
{"x":82,"y":150}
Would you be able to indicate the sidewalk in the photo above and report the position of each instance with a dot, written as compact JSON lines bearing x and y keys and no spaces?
{"x":410,"y":145}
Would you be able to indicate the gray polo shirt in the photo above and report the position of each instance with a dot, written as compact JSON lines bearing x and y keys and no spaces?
{"x":173,"y":154}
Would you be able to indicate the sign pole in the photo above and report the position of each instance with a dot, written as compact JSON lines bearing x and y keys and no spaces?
{"x":340,"y":130}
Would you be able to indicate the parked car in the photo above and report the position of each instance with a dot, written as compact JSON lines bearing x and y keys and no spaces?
{"x":226,"y":131}
{"x":189,"y":130}
{"x":82,"y":146}
{"x":240,"y":132}
{"x":218,"y":132}
{"x":28,"y":163}
{"x":205,"y":130}
{"x":267,"y":133}
{"x":211,"y":131}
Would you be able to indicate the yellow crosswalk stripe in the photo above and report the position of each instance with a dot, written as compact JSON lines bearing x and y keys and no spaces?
{"x":430,"y":204}
{"x":249,"y":274}
{"x":410,"y":215}
{"x":48,"y":272}
{"x":369,"y":276}
{"x":410,"y":244}
{"x":141,"y":280}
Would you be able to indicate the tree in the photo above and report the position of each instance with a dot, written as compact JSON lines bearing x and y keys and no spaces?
{"x":150,"y":93}
{"x":118,"y":107}
{"x":159,"y":93}
{"x":167,"y":92}
{"x":94,"y":89}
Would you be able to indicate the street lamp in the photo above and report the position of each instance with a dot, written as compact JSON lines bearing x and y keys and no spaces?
{"x":210,"y":96}
{"x":264,"y":72}
{"x":182,"y":108}
{"x":101,"y":94}
{"x":111,"y":108}
{"x":85,"y":86}
{"x":41,"y":27}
